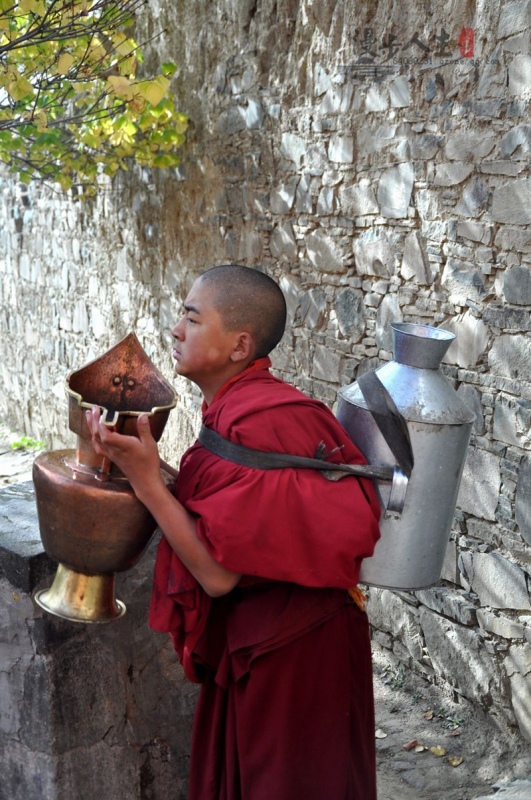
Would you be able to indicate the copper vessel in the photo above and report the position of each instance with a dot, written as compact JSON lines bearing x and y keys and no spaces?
{"x":90,"y":519}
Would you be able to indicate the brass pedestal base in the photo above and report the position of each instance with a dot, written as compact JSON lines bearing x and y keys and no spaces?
{"x":81,"y":598}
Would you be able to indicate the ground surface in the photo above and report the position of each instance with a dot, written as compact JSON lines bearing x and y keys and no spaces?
{"x":407,"y":710}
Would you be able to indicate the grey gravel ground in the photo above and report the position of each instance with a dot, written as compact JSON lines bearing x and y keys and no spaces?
{"x":479,"y":761}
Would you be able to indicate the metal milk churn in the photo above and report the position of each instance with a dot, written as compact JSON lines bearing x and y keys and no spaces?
{"x":415,"y":533}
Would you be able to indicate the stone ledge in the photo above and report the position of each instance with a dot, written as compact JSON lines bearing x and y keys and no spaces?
{"x":23,"y":561}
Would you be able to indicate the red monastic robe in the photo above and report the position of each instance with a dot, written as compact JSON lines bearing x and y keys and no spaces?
{"x":286,"y":707}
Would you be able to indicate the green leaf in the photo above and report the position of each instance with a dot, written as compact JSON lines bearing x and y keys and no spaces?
{"x":169,"y":69}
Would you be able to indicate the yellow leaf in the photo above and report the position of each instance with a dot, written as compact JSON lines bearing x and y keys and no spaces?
{"x":19,"y":88}
{"x":41,"y":120}
{"x":64,"y":63}
{"x":153,"y":91}
{"x":121,"y":86}
{"x":454,"y":761}
{"x":35,"y":6}
{"x":438,"y":751}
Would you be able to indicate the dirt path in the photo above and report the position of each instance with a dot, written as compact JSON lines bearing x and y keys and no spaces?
{"x":409,"y":709}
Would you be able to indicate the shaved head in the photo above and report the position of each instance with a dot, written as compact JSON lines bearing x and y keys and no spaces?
{"x":248,"y":299}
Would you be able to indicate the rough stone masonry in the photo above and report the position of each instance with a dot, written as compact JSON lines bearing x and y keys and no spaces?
{"x":373,"y":157}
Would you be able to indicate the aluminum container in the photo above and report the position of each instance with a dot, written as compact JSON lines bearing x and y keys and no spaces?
{"x":412,"y":547}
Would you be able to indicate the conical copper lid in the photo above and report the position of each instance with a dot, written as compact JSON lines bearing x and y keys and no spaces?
{"x":123,"y":381}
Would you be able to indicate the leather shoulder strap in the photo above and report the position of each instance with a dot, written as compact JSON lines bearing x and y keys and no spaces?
{"x":391,"y":423}
{"x":258,"y":459}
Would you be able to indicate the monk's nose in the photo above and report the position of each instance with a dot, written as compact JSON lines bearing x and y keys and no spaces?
{"x":178,"y":328}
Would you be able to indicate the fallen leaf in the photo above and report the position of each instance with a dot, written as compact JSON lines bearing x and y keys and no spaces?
{"x":455,"y":761}
{"x":410,"y":745}
{"x":438,"y":751}
{"x":380,"y":734}
{"x":420,"y":748}
{"x":428,"y":715}
{"x":457,"y":732}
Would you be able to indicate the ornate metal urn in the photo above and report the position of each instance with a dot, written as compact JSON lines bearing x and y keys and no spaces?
{"x":89,"y":517}
{"x":411,"y":550}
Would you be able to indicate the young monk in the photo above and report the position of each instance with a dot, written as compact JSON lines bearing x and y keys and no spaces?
{"x":253,"y":571}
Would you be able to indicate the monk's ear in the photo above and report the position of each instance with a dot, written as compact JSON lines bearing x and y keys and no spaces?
{"x":244,"y":347}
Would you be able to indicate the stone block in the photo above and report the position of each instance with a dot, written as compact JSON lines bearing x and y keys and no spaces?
{"x":250,"y":247}
{"x":514,"y":17}
{"x":472,"y":398}
{"x":522,"y":506}
{"x":469,"y":145}
{"x":450,"y":603}
{"x":519,"y":75}
{"x":303,"y":195}
{"x":292,"y":292}
{"x":517,"y":286}
{"x":376,"y":99}
{"x":513,"y":790}
{"x":518,"y":667}
{"x":324,"y":252}
{"x":462,"y":281}
{"x":375,"y":252}
{"x":498,"y":582}
{"x":511,"y":203}
{"x":313,"y":308}
{"x":471,"y":339}
{"x":388,"y":311}
{"x":475,"y":231}
{"x":509,"y":238}
{"x":452,"y":173}
{"x":389,"y":613}
{"x":326,"y":201}
{"x":475,"y":199}
{"x":499,"y":626}
{"x":449,"y":570}
{"x":505,"y":168}
{"x":341,"y":149}
{"x":480,"y":484}
{"x":254,"y":115}
{"x":512,"y":419}
{"x":424,"y":147}
{"x":358,"y":199}
{"x":510,"y":356}
{"x":394,"y":191}
{"x":326,"y":364}
{"x":458,"y":656}
{"x":400,"y":92}
{"x":321,"y":80}
{"x":415,"y":262}
{"x":293,"y":147}
{"x":517,"y":139}
{"x":282,"y":198}
{"x":350,"y":313}
{"x":282,"y":242}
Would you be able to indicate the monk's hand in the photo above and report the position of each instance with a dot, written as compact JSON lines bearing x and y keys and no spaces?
{"x":138,"y":458}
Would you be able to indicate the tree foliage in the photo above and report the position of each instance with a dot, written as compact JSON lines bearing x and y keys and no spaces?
{"x":71,"y":103}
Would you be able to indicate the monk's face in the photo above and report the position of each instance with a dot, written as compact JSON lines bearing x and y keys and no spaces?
{"x":203,"y":348}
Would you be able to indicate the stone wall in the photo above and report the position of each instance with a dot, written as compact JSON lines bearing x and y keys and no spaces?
{"x":99,"y":710}
{"x":374,"y":158}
